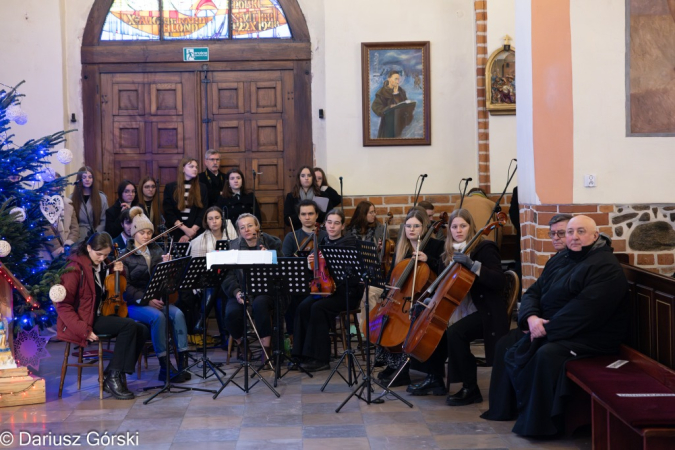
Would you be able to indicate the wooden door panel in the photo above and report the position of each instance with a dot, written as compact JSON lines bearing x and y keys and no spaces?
{"x":129,"y":137}
{"x":166,"y":99}
{"x":132,"y":170}
{"x":231,"y":163}
{"x":167,"y":137}
{"x":128,"y":99}
{"x":229,"y":136}
{"x":227,"y":98}
{"x":266,"y":97}
{"x":272,"y":211}
{"x":270,"y":174}
{"x":267,"y":135}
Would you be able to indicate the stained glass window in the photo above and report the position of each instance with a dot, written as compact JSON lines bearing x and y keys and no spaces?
{"x":190,"y":19}
{"x":252,"y":19}
{"x":131,"y":20}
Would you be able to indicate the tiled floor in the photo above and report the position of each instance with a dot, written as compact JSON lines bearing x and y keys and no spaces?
{"x":303,"y":418}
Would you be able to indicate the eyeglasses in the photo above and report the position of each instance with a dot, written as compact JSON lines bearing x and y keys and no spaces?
{"x":410,"y":226}
{"x":559,"y":233}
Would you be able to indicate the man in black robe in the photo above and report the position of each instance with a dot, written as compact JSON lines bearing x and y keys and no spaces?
{"x":577,"y":308}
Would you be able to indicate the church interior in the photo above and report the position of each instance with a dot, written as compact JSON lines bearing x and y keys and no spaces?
{"x":274,"y":86}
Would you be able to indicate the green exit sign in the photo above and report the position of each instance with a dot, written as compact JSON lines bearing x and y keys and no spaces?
{"x":195,"y":53}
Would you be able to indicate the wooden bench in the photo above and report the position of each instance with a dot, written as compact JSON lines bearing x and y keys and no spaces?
{"x":625,"y":421}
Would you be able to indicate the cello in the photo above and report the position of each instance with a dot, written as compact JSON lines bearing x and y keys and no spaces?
{"x":440,"y":300}
{"x":390,"y":320}
{"x":115,"y":284}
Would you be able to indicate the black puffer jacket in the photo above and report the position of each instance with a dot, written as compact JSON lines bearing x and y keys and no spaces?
{"x":138,"y":274}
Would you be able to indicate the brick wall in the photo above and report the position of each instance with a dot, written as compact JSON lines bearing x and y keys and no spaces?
{"x":480,"y":8}
{"x":399,"y":205}
{"x":536,"y":247}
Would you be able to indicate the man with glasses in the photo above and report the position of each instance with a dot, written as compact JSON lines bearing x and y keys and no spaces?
{"x":577,"y":308}
{"x":212,"y":177}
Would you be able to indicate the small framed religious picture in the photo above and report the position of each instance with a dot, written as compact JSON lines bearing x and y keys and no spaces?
{"x":396,"y":103}
{"x":500,"y":80}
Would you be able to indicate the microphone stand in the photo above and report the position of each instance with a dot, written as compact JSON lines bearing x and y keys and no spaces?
{"x":497,"y":207}
{"x":226,"y":215}
{"x":418,"y":191}
{"x":466,"y":184}
{"x":342,"y":202}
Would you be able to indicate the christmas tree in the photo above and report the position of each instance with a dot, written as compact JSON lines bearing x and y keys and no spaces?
{"x":24,"y":182}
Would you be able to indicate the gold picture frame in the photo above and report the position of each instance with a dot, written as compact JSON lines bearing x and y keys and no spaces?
{"x":500,"y":80}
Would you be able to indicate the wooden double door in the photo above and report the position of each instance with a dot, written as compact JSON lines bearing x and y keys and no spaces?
{"x":151,"y":120}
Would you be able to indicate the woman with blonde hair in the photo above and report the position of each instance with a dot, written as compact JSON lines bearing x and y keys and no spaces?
{"x":480,"y":315}
{"x":185,"y":201}
{"x":89,"y":203}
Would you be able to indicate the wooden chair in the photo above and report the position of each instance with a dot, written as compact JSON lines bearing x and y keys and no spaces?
{"x":511,"y":291}
{"x":80,"y":364}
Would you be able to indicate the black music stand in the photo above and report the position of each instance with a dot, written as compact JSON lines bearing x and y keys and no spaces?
{"x":222,"y":244}
{"x":344,"y":264}
{"x":246,"y":365}
{"x":163,"y":282}
{"x":198,"y":276}
{"x":179,"y":249}
{"x":371,"y":276}
{"x":291,"y":277}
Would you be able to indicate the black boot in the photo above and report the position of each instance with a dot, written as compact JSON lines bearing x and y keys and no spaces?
{"x":432,"y":384}
{"x":173,"y":373}
{"x":183,"y":362}
{"x":113,"y":385}
{"x":469,"y":394}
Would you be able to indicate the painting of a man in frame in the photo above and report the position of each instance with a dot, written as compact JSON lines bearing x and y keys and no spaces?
{"x":396,"y":94}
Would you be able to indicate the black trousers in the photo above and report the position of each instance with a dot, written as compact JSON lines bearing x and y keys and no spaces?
{"x":313,"y":318}
{"x":129,"y":336}
{"x":456,"y":347}
{"x":262,"y":307}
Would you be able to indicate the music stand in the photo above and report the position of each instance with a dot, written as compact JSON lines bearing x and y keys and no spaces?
{"x":222,"y":244}
{"x":163,"y":282}
{"x":344,"y":263}
{"x":179,"y":249}
{"x":199,"y":277}
{"x":246,"y":365}
{"x":371,"y":276}
{"x":292,"y":277}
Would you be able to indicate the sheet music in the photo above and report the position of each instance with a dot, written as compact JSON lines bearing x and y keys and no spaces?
{"x":241,"y":257}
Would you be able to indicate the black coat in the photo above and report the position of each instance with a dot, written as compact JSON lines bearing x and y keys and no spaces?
{"x":290,"y":203}
{"x":434,"y":251}
{"x":334,"y":199}
{"x":214,"y":185}
{"x":172,"y":213}
{"x":238,"y":205}
{"x":233,"y":281}
{"x":137,"y":273}
{"x":112,"y":219}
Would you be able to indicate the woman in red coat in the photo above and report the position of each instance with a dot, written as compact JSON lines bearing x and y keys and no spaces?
{"x":79,"y":318}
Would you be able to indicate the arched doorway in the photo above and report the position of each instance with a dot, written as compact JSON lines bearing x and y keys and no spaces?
{"x":145,"y":107}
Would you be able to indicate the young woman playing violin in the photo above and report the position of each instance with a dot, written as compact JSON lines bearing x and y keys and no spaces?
{"x":139,"y":267}
{"x":416,"y":226}
{"x":250,"y":238}
{"x":80,"y":319}
{"x":313,"y":317}
{"x":480,"y":314}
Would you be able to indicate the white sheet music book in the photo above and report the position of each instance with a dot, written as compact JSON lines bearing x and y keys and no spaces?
{"x":322,"y":203}
{"x":241,"y":257}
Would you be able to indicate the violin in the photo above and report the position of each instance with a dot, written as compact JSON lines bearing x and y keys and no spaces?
{"x":322,"y":284}
{"x":443,"y":295}
{"x":115,"y":284}
{"x":388,"y":245}
{"x":390,"y":320}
